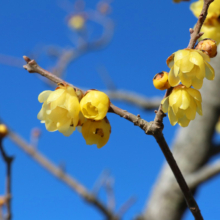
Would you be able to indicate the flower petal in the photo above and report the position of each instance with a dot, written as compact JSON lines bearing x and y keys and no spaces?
{"x":55,"y":95}
{"x":184,"y":121}
{"x":172,"y":117}
{"x":185,"y":100}
{"x":173,"y":80}
{"x":185,"y":79}
{"x":197,"y":83}
{"x":196,"y":58}
{"x":44,"y":95}
{"x":195,"y":94}
{"x":209,"y":71}
{"x":165,"y":104}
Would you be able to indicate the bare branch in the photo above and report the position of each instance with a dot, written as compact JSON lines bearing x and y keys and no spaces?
{"x":152,"y":128}
{"x":135,"y":99}
{"x":214,"y":150}
{"x":195,"y":34}
{"x":8,"y":161}
{"x":61,"y":175}
{"x":127,"y":205}
{"x":202,"y":175}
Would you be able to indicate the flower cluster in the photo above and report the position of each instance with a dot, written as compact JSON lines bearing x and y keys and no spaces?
{"x":211,"y":27}
{"x":64,"y":110}
{"x":188,"y":68}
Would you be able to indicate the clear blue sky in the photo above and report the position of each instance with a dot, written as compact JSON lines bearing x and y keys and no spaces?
{"x":146,"y":33}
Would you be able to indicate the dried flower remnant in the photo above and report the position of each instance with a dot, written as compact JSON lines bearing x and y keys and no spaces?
{"x":60,"y":110}
{"x":182,"y":105}
{"x":96,"y":132}
{"x":189,"y":66}
{"x":160,"y":81}
{"x":94,"y":105}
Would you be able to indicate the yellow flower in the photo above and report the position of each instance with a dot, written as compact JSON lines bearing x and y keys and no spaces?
{"x":211,"y":30}
{"x":94,"y":105}
{"x":96,"y":132}
{"x":77,"y":22}
{"x":189,"y":66}
{"x":60,"y":110}
{"x":182,"y":105}
{"x":160,"y":81}
{"x":209,"y":46}
{"x":213,"y":11}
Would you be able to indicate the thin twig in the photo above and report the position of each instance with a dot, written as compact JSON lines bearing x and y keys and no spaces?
{"x":127,"y":205}
{"x":195,"y":34}
{"x":61,"y":175}
{"x":151,"y":128}
{"x":8,"y":161}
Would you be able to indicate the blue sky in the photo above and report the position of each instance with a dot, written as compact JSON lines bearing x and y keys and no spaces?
{"x":146,"y":33}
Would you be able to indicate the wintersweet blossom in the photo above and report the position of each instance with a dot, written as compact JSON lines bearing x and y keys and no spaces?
{"x":213,"y":11}
{"x":189,"y":66}
{"x":211,"y":30}
{"x":94,"y":105}
{"x":96,"y":132}
{"x":160,"y":81}
{"x":60,"y":110}
{"x":182,"y":105}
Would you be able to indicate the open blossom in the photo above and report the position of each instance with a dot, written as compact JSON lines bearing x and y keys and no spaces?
{"x":60,"y":110}
{"x":213,"y":11}
{"x":189,"y":66}
{"x":182,"y":105}
{"x":94,"y":105}
{"x":160,"y":81}
{"x":96,"y":132}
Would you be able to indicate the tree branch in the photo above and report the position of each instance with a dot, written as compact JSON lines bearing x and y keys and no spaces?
{"x":205,"y":173}
{"x":195,"y":34}
{"x":151,"y":128}
{"x":8,"y":161}
{"x":61,"y":175}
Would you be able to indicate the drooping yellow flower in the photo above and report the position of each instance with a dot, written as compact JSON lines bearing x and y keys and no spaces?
{"x":77,"y":22}
{"x":189,"y":66}
{"x":160,"y":81}
{"x":182,"y":105}
{"x":211,"y":30}
{"x":213,"y":11}
{"x":96,"y":132}
{"x":209,"y":46}
{"x":60,"y":110}
{"x":94,"y":105}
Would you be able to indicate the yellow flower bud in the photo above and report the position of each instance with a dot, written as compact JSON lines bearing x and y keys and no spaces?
{"x":182,"y":105}
{"x":77,"y":22}
{"x":209,"y":46}
{"x":160,"y":81}
{"x":60,"y":110}
{"x":96,"y":132}
{"x":3,"y":130}
{"x":189,"y":66}
{"x":94,"y":105}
